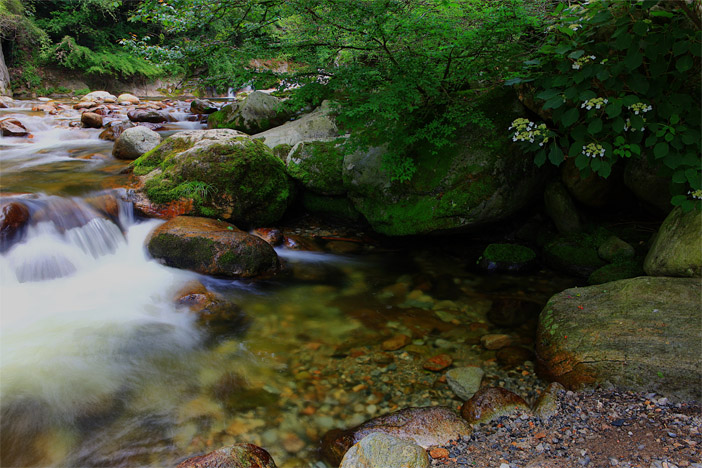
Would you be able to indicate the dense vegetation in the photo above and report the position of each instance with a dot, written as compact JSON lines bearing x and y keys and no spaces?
{"x":606,"y":80}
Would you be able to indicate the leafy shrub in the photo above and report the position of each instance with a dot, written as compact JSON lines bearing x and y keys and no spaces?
{"x":617,"y":80}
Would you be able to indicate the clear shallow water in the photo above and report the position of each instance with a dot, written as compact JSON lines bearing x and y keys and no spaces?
{"x":99,"y":367}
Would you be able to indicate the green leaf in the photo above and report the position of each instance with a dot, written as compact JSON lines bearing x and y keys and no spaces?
{"x":581,"y":161}
{"x":605,"y":169}
{"x":570,"y":117}
{"x":679,"y":177}
{"x":594,"y":127}
{"x":639,"y":83}
{"x":595,"y":164}
{"x":548,"y":93}
{"x":613,"y":109}
{"x":562,"y":48}
{"x":651,"y":140}
{"x":636,"y":149}
{"x":576,"y":54}
{"x":684,"y":63}
{"x":623,"y":41}
{"x":553,"y":103}
{"x":674,"y":119}
{"x":680,"y":47}
{"x":618,"y":124}
{"x":693,"y":177}
{"x":661,"y":13}
{"x":633,"y":58}
{"x":669,"y":137}
{"x":555,"y":155}
{"x":540,"y":158}
{"x":660,"y":150}
{"x":637,"y":122}
{"x":678,"y":200}
{"x":640,"y":28}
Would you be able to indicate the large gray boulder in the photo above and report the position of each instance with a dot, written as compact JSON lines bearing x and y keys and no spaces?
{"x":135,"y":141}
{"x":480,"y":178}
{"x":317,"y":125}
{"x":641,"y":334}
{"x":258,"y":112}
{"x":677,"y":248}
{"x":222,"y":173}
{"x":380,"y":450}
{"x":317,"y":165}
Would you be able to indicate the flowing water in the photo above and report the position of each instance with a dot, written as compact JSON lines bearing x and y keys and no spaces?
{"x":99,"y":367}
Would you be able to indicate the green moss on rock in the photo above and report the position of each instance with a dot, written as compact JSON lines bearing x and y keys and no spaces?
{"x":317,"y":165}
{"x":622,"y":268}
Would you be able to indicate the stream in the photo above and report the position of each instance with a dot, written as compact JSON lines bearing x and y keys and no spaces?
{"x":100,"y":368}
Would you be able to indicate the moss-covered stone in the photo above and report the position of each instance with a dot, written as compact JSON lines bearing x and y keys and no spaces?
{"x":641,"y":334}
{"x":257,"y":113}
{"x":332,"y":207}
{"x":507,"y":257}
{"x":211,"y":247}
{"x":621,"y":268}
{"x":281,"y":151}
{"x":677,"y":248}
{"x":317,"y":165}
{"x":576,"y":254}
{"x":226,"y":175}
{"x":478,"y":179}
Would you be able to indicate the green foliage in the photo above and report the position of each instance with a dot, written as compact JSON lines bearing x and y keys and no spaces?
{"x":619,"y":80}
{"x":405,"y":74}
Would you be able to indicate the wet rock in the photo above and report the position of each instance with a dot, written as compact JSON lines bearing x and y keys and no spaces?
{"x":546,"y":406}
{"x":224,"y":173}
{"x":99,"y":96}
{"x":234,"y":456}
{"x":437,"y":363}
{"x":271,"y":235}
{"x":490,"y":403}
{"x":561,"y":209}
{"x":465,"y":381}
{"x":145,"y":207}
{"x":474,"y":184}
{"x":640,"y":334}
{"x":91,"y":120}
{"x":85,"y":105}
{"x":294,"y":242}
{"x":201,"y":106}
{"x":495,"y":341}
{"x":13,"y":128}
{"x":212,"y":247}
{"x":133,"y":142}
{"x":317,"y":165}
{"x":426,"y":427}
{"x":380,"y":450}
{"x":677,"y":248}
{"x":512,"y":356}
{"x":317,"y":125}
{"x":620,"y":269}
{"x":257,"y":113}
{"x":615,"y":248}
{"x":114,"y":129}
{"x":646,"y":182}
{"x":148,"y":115}
{"x":13,"y":216}
{"x":5,"y":102}
{"x":343,"y":247}
{"x":107,"y":204}
{"x":507,"y":258}
{"x":396,"y":342}
{"x":512,"y":312}
{"x":127,"y":99}
{"x":211,"y":308}
{"x":572,"y":256}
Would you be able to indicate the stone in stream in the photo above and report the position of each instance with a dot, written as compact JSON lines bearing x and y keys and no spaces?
{"x":317,"y":125}
{"x":223,"y":173}
{"x":546,"y":406}
{"x":233,"y":456}
{"x":211,"y":309}
{"x":258,"y":112}
{"x":212,"y":247}
{"x":641,"y":334}
{"x":149,"y":115}
{"x":133,"y":142}
{"x":490,"y":403}
{"x":380,"y":450}
{"x":438,"y":362}
{"x":561,"y":209}
{"x":615,"y":248}
{"x":126,"y":99}
{"x":12,"y":127}
{"x":13,"y":216}
{"x":201,"y":106}
{"x":396,"y":342}
{"x":426,"y":427}
{"x":99,"y":96}
{"x":507,"y":258}
{"x":495,"y":341}
{"x":91,"y":120}
{"x":677,"y":248}
{"x":5,"y":102}
{"x":271,"y":235}
{"x":114,"y":129}
{"x":317,"y":164}
{"x":512,"y":311}
{"x":465,"y":381}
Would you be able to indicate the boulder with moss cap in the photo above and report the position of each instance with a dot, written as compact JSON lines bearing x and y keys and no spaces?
{"x":677,"y":248}
{"x":225,"y":174}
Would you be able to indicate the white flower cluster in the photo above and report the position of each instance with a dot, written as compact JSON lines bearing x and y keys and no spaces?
{"x":575,"y":27}
{"x":526,"y":130}
{"x":697,"y":194}
{"x":597,"y":103}
{"x":627,"y":126}
{"x":582,"y":61}
{"x":593,"y":150}
{"x":640,"y":107}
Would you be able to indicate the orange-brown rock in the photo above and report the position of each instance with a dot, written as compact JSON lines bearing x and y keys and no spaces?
{"x":438,"y":362}
{"x":490,"y":403}
{"x":212,"y":247}
{"x":12,"y":127}
{"x":234,"y":456}
{"x":91,"y":120}
{"x":13,"y":215}
{"x":396,"y":342}
{"x":271,"y":235}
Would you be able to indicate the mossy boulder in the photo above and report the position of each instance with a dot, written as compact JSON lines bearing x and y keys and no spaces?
{"x":257,"y":113}
{"x":576,"y":254}
{"x":317,"y":165}
{"x":225,"y":174}
{"x":212,"y":247}
{"x":677,"y":248}
{"x":507,"y":257}
{"x":620,"y":268}
{"x":317,"y":125}
{"x":640,"y":334}
{"x":480,"y":178}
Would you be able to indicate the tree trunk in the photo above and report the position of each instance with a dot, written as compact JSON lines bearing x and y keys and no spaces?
{"x":4,"y":76}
